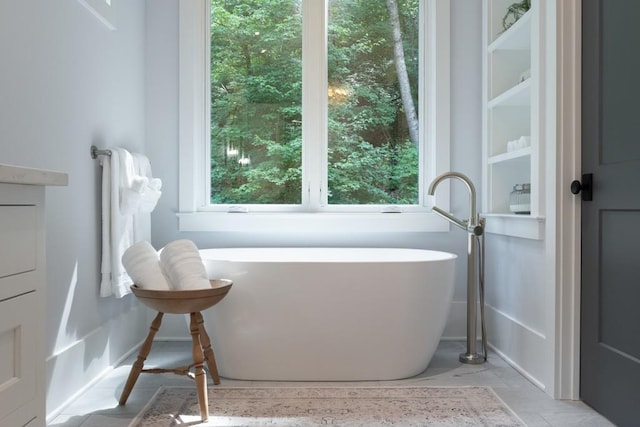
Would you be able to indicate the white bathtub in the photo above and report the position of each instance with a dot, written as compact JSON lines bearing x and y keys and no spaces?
{"x":328,"y":314}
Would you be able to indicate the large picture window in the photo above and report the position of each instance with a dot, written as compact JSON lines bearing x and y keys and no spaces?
{"x":312,"y":106}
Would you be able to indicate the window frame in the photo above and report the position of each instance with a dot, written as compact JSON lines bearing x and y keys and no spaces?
{"x":197,"y":214}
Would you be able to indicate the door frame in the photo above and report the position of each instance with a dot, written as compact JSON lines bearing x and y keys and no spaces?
{"x":568,"y":207}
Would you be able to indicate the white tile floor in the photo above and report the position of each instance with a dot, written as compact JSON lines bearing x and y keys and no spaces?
{"x":98,"y":407}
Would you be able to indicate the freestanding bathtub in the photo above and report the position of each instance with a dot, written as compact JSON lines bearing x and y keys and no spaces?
{"x":328,"y":314}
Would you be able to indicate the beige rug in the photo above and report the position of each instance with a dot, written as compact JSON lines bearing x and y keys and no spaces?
{"x":361,"y":406}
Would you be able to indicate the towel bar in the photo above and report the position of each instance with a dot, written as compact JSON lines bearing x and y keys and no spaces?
{"x":95,"y":152}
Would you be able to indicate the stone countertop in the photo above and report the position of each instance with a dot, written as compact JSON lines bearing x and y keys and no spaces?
{"x":13,"y":174}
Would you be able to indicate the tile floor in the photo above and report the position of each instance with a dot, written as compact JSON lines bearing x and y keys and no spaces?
{"x":98,"y":407}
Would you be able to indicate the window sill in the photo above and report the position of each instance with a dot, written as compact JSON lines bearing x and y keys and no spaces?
{"x":255,"y":222}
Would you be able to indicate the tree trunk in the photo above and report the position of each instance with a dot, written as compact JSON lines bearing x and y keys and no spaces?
{"x":401,"y":71}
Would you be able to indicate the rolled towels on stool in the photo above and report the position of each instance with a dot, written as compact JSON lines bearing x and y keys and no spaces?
{"x":142,"y":263}
{"x":183,"y":265}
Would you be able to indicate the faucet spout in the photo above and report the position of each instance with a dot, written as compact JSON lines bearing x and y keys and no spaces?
{"x":473,"y":225}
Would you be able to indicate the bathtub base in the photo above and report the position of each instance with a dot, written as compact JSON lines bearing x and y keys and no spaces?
{"x":319,"y":319}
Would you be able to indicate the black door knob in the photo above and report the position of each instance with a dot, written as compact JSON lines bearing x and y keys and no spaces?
{"x":576,"y":187}
{"x":585,"y":187}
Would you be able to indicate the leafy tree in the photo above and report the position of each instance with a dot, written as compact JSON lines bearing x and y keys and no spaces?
{"x":256,"y":102}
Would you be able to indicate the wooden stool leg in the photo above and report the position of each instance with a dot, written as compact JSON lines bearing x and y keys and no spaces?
{"x":208,"y":352}
{"x":142,"y":356}
{"x":198,"y":363}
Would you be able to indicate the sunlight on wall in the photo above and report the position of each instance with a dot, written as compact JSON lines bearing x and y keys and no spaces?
{"x":61,"y":336}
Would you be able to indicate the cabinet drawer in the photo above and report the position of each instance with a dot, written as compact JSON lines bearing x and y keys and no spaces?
{"x":17,"y":353}
{"x":19,"y":284}
{"x":18,"y":239}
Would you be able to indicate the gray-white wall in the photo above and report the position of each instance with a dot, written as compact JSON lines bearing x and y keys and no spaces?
{"x":521,"y":278}
{"x":162,"y":148}
{"x":66,"y":81}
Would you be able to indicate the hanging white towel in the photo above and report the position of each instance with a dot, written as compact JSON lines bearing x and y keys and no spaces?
{"x":150,"y":191}
{"x":123,"y":221}
{"x":117,"y":229}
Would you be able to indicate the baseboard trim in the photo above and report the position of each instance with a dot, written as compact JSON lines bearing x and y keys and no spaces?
{"x":517,"y":367}
{"x":76,"y":367}
{"x":456,"y":327}
{"x":518,"y":344}
{"x":53,"y":414}
{"x":176,"y":328}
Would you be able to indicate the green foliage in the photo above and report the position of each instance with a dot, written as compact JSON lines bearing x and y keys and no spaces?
{"x":256,"y":96}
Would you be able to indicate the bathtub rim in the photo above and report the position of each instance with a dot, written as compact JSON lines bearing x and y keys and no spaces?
{"x":329,"y":254}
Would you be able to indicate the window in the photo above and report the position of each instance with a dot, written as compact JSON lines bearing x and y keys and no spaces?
{"x":330,"y":114}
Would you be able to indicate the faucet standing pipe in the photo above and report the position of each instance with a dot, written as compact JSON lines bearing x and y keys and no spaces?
{"x":475,"y":227}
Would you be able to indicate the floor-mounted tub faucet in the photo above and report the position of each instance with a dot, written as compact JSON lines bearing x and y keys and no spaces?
{"x":474,"y":226}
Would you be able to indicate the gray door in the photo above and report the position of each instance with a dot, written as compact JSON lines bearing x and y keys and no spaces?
{"x":610,"y":306}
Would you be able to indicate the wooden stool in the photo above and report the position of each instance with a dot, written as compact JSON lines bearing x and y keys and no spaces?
{"x":181,"y":302}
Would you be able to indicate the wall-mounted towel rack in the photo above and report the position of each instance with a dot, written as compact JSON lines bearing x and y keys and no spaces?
{"x":95,"y":152}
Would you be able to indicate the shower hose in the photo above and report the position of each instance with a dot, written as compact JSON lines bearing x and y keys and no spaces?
{"x":480,"y":242}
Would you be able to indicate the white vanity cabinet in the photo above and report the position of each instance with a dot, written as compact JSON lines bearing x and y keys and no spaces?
{"x":22,"y":290}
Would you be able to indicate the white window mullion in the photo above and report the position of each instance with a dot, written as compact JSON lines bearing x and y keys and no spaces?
{"x":193,"y":104}
{"x":435,"y":61}
{"x":206,"y":160}
{"x":314,"y":104}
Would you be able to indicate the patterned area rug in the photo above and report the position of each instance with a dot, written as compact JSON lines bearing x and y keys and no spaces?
{"x":386,"y":406}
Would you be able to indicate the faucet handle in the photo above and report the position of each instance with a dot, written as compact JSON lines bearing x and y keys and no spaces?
{"x":477,"y":230}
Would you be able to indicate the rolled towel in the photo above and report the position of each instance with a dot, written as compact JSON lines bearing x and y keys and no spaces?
{"x":142,"y":263}
{"x":524,"y":141}
{"x":183,"y":265}
{"x":518,"y":144}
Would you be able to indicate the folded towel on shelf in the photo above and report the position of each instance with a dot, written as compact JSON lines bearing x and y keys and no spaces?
{"x":129,"y":193}
{"x":183,"y":265}
{"x":518,"y":144}
{"x":142,"y":263}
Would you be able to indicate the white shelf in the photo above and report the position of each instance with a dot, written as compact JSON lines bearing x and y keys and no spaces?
{"x":517,"y":96}
{"x":512,"y":155}
{"x":523,"y":226}
{"x":516,"y":37}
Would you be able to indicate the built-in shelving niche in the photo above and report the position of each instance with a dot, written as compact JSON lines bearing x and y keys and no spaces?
{"x":511,"y":111}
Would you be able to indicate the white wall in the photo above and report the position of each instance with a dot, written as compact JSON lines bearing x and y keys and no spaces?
{"x":515,"y":295}
{"x":520,"y":273}
{"x":162,"y":148}
{"x":66,"y":81}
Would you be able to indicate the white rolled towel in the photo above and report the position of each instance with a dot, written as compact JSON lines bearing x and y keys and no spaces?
{"x":518,"y":144}
{"x":183,"y":265}
{"x":142,"y":263}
